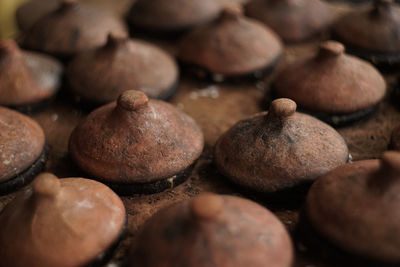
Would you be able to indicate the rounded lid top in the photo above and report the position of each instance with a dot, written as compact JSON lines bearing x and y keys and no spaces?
{"x":279,"y":149}
{"x":331,"y":82}
{"x":355,"y":206}
{"x":101,"y":75}
{"x":73,"y":28}
{"x":136,"y":140}
{"x":22,"y":141}
{"x":231,"y":45}
{"x":395,"y":138}
{"x":373,"y":29}
{"x":66,"y":222}
{"x":211,"y":230}
{"x":292,"y":20}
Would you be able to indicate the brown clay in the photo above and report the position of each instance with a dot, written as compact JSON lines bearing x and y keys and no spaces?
{"x":101,"y":75}
{"x":355,"y":207}
{"x":72,"y":28}
{"x":231,"y":46}
{"x":212,"y":230}
{"x":395,"y":138}
{"x":292,"y":20}
{"x":279,"y":149}
{"x":31,"y":11}
{"x":66,"y":222}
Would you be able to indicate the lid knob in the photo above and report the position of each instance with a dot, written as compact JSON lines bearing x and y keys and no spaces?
{"x":46,"y":185}
{"x":132,"y":100}
{"x":331,"y":49}
{"x":8,"y":46}
{"x":387,"y":174}
{"x":66,"y":4}
{"x":206,"y":206}
{"x":232,"y":11}
{"x":391,"y":162}
{"x":381,"y":7}
{"x":282,"y":107}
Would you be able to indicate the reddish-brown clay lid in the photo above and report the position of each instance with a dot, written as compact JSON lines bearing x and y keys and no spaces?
{"x":22,"y":141}
{"x":355,"y":206}
{"x":136,"y":140}
{"x":331,"y":82}
{"x":25,"y":77}
{"x":101,"y":75}
{"x":292,"y":20}
{"x":73,"y":28}
{"x":279,"y":149}
{"x":395,"y":138}
{"x":213,"y":230}
{"x":66,"y":222}
{"x":232,"y":45}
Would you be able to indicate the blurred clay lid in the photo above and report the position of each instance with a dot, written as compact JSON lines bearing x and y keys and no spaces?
{"x":355,"y":206}
{"x":66,"y":222}
{"x":213,"y":230}
{"x":279,"y":149}
{"x":232,"y":45}
{"x":331,"y":82}
{"x":395,"y":138}
{"x":136,"y":140}
{"x":72,"y":28}
{"x":292,"y":20}
{"x":102,"y":74}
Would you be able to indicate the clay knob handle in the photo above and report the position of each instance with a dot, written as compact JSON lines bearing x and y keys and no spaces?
{"x":331,"y":48}
{"x":132,"y":100}
{"x":282,"y":108}
{"x":206,"y":206}
{"x":46,"y":185}
{"x":381,"y":7}
{"x":391,"y":162}
{"x":66,"y":4}
{"x":232,"y":11}
{"x":8,"y":45}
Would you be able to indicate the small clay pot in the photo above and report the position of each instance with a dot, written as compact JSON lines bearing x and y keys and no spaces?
{"x":334,"y":86}
{"x":292,"y":20}
{"x":73,"y":28}
{"x":31,"y":11}
{"x":213,"y":230}
{"x":172,"y":17}
{"x":279,"y":150}
{"x":372,"y":32}
{"x":27,"y":79}
{"x":395,"y":138}
{"x":67,"y":222}
{"x":355,"y":205}
{"x":137,"y":145}
{"x":232,"y":46}
{"x":23,"y":150}
{"x":101,"y":75}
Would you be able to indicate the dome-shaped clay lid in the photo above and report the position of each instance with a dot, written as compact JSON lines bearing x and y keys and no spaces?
{"x":375,"y":28}
{"x":72,"y":28}
{"x":66,"y":222}
{"x":231,"y":45}
{"x":26,"y":78}
{"x":356,"y":207}
{"x":279,"y":149}
{"x":101,"y":75}
{"x":331,"y":82}
{"x":22,"y":141}
{"x":292,"y":20}
{"x":395,"y":138}
{"x":136,"y":140}
{"x":172,"y":15}
{"x":213,"y":230}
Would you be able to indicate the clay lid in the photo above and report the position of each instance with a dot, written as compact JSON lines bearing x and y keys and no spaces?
{"x":331,"y":82}
{"x":67,"y":222}
{"x":356,"y":205}
{"x":279,"y":149}
{"x":22,"y":141}
{"x":292,"y":20}
{"x":25,"y":77}
{"x":375,"y":28}
{"x":395,"y":138}
{"x":101,"y":75}
{"x":136,"y":140}
{"x":213,"y":230}
{"x":72,"y":28}
{"x":173,"y":15}
{"x":231,"y":45}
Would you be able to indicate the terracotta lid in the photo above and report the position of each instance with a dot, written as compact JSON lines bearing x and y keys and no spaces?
{"x":331,"y":82}
{"x":172,"y":16}
{"x":67,"y":222}
{"x":136,"y":140}
{"x":292,"y":20}
{"x":356,"y":205}
{"x":26,"y":78}
{"x":213,"y":230}
{"x":395,"y":138}
{"x":279,"y":149}
{"x":101,"y":75}
{"x":232,"y":45}
{"x":72,"y":28}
